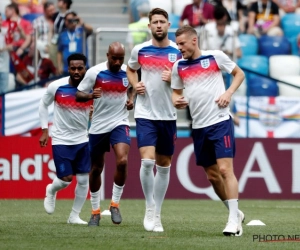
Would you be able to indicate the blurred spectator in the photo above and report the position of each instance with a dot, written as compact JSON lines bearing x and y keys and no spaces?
{"x":4,"y":59}
{"x":221,"y":36}
{"x":43,"y":25}
{"x":45,"y":67}
{"x":263,"y":19}
{"x":134,"y":15}
{"x":29,"y":6}
{"x":198,"y":13}
{"x":236,"y":12}
{"x":72,"y":40}
{"x":21,"y":30}
{"x":64,"y":6}
{"x":134,"y":38}
{"x":288,"y":6}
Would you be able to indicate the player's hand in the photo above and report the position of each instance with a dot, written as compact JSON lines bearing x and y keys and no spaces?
{"x":44,"y":138}
{"x":166,"y":74}
{"x":224,"y":100}
{"x":129,"y":104}
{"x":180,"y":103}
{"x":97,"y":93}
{"x":140,"y":88}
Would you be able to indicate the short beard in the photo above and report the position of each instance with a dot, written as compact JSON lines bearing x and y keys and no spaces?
{"x":160,"y":38}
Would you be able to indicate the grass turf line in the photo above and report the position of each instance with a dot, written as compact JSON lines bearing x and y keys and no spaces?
{"x":188,"y":224}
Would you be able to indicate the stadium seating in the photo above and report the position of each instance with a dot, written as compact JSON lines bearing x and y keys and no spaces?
{"x":274,"y":45}
{"x":286,"y":90}
{"x":284,"y":65}
{"x":31,"y":16}
{"x":294,"y":45}
{"x":249,"y":44}
{"x":165,"y":4}
{"x":262,"y":86}
{"x":290,"y":24}
{"x":255,"y":64}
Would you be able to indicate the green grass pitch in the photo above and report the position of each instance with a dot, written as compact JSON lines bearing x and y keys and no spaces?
{"x":188,"y":224}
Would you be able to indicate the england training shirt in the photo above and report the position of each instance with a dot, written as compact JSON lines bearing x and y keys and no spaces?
{"x":203,"y":83}
{"x":109,"y":110}
{"x":70,"y":120}
{"x":156,"y":104}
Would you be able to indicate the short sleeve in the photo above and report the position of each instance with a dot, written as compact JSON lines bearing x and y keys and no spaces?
{"x":176,"y":81}
{"x":88,"y":82}
{"x":133,"y":61}
{"x":223,"y":61}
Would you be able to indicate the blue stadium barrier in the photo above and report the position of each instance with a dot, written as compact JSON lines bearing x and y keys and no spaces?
{"x":290,"y":24}
{"x":274,"y":45}
{"x":249,"y":44}
{"x":262,"y":86}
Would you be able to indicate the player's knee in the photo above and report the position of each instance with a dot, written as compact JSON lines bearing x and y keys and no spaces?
{"x":225,"y":171}
{"x":122,"y":164}
{"x":82,"y":180}
{"x":68,"y":178}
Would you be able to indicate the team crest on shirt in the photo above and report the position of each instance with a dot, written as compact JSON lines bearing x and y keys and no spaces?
{"x":205,"y":63}
{"x":172,"y":57}
{"x":125,"y":82}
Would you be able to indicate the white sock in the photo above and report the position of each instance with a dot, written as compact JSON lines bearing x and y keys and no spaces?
{"x":117,"y":193}
{"x":147,"y":180}
{"x":233,"y":210}
{"x":161,"y":183}
{"x":81,"y":191}
{"x":95,"y":200}
{"x":57,"y":185}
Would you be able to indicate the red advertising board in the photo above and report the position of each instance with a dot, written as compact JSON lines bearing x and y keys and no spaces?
{"x":265,"y":168}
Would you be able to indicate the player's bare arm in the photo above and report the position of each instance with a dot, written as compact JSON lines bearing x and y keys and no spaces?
{"x":178,"y":99}
{"x":166,"y":74}
{"x":84,"y":97}
{"x":238,"y":77}
{"x":44,"y":138}
{"x":132,"y":77}
{"x":131,"y":94}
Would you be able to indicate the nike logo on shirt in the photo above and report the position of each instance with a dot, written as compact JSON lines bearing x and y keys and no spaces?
{"x":105,"y":81}
{"x":64,"y":95}
{"x":147,"y":55}
{"x":185,"y":68}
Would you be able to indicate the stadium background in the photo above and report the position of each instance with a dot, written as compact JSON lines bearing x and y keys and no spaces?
{"x":267,"y":167}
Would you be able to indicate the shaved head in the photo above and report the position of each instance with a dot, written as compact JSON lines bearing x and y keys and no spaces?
{"x":115,"y":56}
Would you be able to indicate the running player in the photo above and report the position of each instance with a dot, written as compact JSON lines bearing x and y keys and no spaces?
{"x":199,"y":73}
{"x":110,"y":125}
{"x":154,"y":113}
{"x":69,"y":137}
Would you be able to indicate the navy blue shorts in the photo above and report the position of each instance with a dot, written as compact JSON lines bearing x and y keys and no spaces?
{"x":160,"y":134}
{"x":71,"y":159}
{"x":214,"y":142}
{"x":99,"y":143}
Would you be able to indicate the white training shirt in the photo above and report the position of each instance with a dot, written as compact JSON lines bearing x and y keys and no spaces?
{"x":109,"y":110}
{"x":203,"y":83}
{"x":156,"y":104}
{"x":70,"y":121}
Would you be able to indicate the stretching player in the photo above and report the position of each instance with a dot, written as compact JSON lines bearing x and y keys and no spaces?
{"x":110,"y":125}
{"x":69,"y":137}
{"x":199,"y":73}
{"x":154,"y":113}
